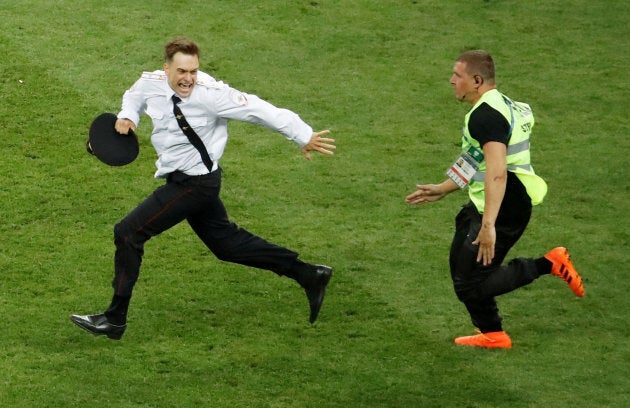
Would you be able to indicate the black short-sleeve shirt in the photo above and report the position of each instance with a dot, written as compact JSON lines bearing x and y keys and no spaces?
{"x":486,"y":124}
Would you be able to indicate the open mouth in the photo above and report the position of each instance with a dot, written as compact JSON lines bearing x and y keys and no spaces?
{"x":185,"y":87}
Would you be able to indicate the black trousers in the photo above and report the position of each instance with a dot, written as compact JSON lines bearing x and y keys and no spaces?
{"x":196,"y":200}
{"x":477,"y":285}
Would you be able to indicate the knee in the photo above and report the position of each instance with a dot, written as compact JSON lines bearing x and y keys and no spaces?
{"x":224,"y":253}
{"x":466,"y":291}
{"x":121,"y":232}
{"x":125,"y":235}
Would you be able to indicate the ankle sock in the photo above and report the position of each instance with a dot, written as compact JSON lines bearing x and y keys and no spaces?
{"x":300,"y":272}
{"x":116,"y":313}
{"x":543,"y":265}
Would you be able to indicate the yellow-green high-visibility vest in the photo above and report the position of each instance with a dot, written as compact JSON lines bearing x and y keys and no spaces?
{"x":521,"y":119}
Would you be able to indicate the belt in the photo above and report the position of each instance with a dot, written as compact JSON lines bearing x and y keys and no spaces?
{"x":179,"y":176}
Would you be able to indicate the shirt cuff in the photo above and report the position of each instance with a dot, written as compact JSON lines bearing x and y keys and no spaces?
{"x":132,"y":116}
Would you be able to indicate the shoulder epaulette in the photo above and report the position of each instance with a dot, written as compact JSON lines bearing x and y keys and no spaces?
{"x":211,"y":83}
{"x":154,"y":76}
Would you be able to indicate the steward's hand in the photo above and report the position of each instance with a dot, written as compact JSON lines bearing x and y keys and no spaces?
{"x":486,"y":239}
{"x":425,"y":193}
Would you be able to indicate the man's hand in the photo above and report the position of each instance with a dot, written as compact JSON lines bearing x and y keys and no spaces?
{"x":427,"y":193}
{"x":486,"y":239}
{"x":122,"y":126}
{"x":319,"y":144}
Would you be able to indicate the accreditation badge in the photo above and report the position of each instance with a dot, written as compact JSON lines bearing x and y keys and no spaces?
{"x":465,"y":167}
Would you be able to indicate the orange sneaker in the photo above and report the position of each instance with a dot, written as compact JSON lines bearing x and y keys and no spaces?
{"x":564,"y":269}
{"x":488,"y":340}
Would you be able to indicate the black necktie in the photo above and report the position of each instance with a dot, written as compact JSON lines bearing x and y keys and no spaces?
{"x":193,"y":138}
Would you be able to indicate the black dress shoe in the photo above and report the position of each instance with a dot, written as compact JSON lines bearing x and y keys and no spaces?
{"x":316,"y":289}
{"x":99,"y":325}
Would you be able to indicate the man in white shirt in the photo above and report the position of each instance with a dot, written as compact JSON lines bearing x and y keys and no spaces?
{"x":177,"y":99}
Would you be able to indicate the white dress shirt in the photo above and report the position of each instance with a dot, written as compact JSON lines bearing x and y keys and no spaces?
{"x":208,"y":108}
